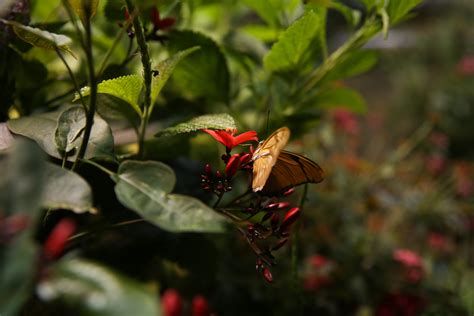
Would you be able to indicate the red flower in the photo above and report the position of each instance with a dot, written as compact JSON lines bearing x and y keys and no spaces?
{"x":200,"y":307}
{"x":228,"y":139}
{"x":318,"y":261}
{"x":171,"y":303}
{"x":234,"y":163}
{"x":57,"y":239}
{"x":346,"y":121}
{"x":407,"y":257}
{"x":158,"y":23}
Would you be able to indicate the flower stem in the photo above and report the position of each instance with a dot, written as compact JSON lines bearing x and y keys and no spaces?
{"x":146,"y":63}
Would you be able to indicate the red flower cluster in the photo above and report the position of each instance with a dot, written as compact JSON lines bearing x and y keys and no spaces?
{"x":412,"y":262}
{"x":227,"y":138}
{"x":172,"y":304}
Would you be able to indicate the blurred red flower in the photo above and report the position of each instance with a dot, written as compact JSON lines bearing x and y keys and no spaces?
{"x":200,"y":306}
{"x":465,"y":65}
{"x":57,"y":239}
{"x":346,"y":121}
{"x":171,"y":303}
{"x":407,"y":257}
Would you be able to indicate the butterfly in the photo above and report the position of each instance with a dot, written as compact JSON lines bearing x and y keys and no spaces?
{"x":275,"y":170}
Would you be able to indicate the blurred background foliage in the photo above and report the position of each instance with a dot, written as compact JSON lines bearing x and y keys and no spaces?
{"x":389,"y":231}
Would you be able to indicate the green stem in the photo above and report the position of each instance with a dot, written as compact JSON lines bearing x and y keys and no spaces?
{"x":90,"y":162}
{"x":146,"y":63}
{"x":93,"y":94}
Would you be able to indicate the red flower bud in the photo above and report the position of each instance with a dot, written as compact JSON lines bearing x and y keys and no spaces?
{"x":171,"y":303}
{"x":57,"y":239}
{"x":208,"y":169}
{"x":289,"y":191}
{"x":290,"y":217}
{"x":258,"y":264}
{"x":200,"y":307}
{"x":267,"y":275}
{"x":218,"y":174}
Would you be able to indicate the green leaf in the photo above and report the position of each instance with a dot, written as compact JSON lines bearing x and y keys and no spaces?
{"x":352,"y":16}
{"x":165,"y":69}
{"x":42,"y":129}
{"x":145,"y":188}
{"x":354,"y":64}
{"x":204,"y":74}
{"x":79,"y":6}
{"x":127,"y":88}
{"x":40,"y":38}
{"x":268,"y":10}
{"x":397,"y":10}
{"x":341,"y":97}
{"x":71,"y":124}
{"x":64,"y":189}
{"x":112,"y":109}
{"x":20,"y":194}
{"x":294,"y":44}
{"x":97,"y":290}
{"x":211,"y":121}
{"x":466,"y":292}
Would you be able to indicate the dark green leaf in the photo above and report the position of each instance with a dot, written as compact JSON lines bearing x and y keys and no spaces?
{"x":20,"y":194}
{"x":42,"y":129}
{"x":64,"y":189}
{"x":71,"y":124}
{"x":211,"y":121}
{"x":205,"y":72}
{"x":165,"y":69}
{"x":398,"y":9}
{"x":40,"y":38}
{"x":127,"y":88}
{"x":294,"y":44}
{"x":341,"y":97}
{"x":145,"y":188}
{"x":97,"y":290}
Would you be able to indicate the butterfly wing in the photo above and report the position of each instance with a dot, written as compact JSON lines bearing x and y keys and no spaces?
{"x":291,"y":170}
{"x":266,"y":155}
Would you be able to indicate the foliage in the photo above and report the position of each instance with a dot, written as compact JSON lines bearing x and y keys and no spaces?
{"x":93,"y":223}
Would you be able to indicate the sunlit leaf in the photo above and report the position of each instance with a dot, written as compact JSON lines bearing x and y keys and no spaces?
{"x":127,"y":88}
{"x":145,"y":188}
{"x":165,"y":69}
{"x":268,"y":10}
{"x":211,"y":121}
{"x":40,"y":38}
{"x":79,"y":7}
{"x":294,"y":44}
{"x":97,"y":290}
{"x":397,"y":10}
{"x":64,"y":189}
{"x":203,"y":74}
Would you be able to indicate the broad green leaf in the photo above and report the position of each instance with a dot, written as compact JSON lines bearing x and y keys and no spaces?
{"x":203,"y":74}
{"x":112,"y":109}
{"x":94,"y":289}
{"x":42,"y":129}
{"x":268,"y":10}
{"x":71,"y":124}
{"x":127,"y":88}
{"x":64,"y":189}
{"x":165,"y":69}
{"x":263,"y":33}
{"x":397,"y":10}
{"x":341,"y":97}
{"x":80,"y":6}
{"x":294,"y":44}
{"x":211,"y":121}
{"x":20,"y":194}
{"x":40,"y":38}
{"x":355,"y":63}
{"x":145,"y":188}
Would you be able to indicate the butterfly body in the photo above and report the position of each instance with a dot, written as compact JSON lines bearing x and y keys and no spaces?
{"x":275,"y":170}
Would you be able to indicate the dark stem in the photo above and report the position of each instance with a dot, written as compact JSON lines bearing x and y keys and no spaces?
{"x":146,"y":63}
{"x":93,"y":94}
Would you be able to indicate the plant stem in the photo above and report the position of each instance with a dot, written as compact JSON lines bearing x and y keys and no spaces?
{"x":90,"y":162}
{"x":93,"y":94}
{"x":146,"y":63}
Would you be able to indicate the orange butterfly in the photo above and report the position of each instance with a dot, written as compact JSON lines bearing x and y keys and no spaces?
{"x":275,"y":170}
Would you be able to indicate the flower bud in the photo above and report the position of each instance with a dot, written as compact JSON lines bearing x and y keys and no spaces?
{"x":171,"y":303}
{"x":57,"y":239}
{"x":267,"y":275}
{"x":290,"y":217}
{"x":289,"y":191}
{"x":200,"y":307}
{"x":258,"y":264}
{"x":232,"y":166}
{"x":208,"y":169}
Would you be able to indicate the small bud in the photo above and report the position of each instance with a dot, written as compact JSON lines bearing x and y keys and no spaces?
{"x":289,"y":191}
{"x":267,"y":275}
{"x":208,"y":169}
{"x":251,"y":229}
{"x":290,"y":217}
{"x":258,"y":264}
{"x":218,"y":174}
{"x":57,"y":239}
{"x":171,"y":303}
{"x":220,"y":187}
{"x":200,"y":307}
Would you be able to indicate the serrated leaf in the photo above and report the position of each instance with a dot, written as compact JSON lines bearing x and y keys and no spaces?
{"x":341,"y":97}
{"x":145,"y":188}
{"x":397,"y":10}
{"x":95,"y":289}
{"x":205,"y":73}
{"x":64,"y":189}
{"x":127,"y":88}
{"x":210,"y":121}
{"x":42,"y":129}
{"x":20,"y":194}
{"x":40,"y":38}
{"x":294,"y":44}
{"x":356,"y":63}
{"x":79,"y":7}
{"x":71,"y":124}
{"x":165,"y":69}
